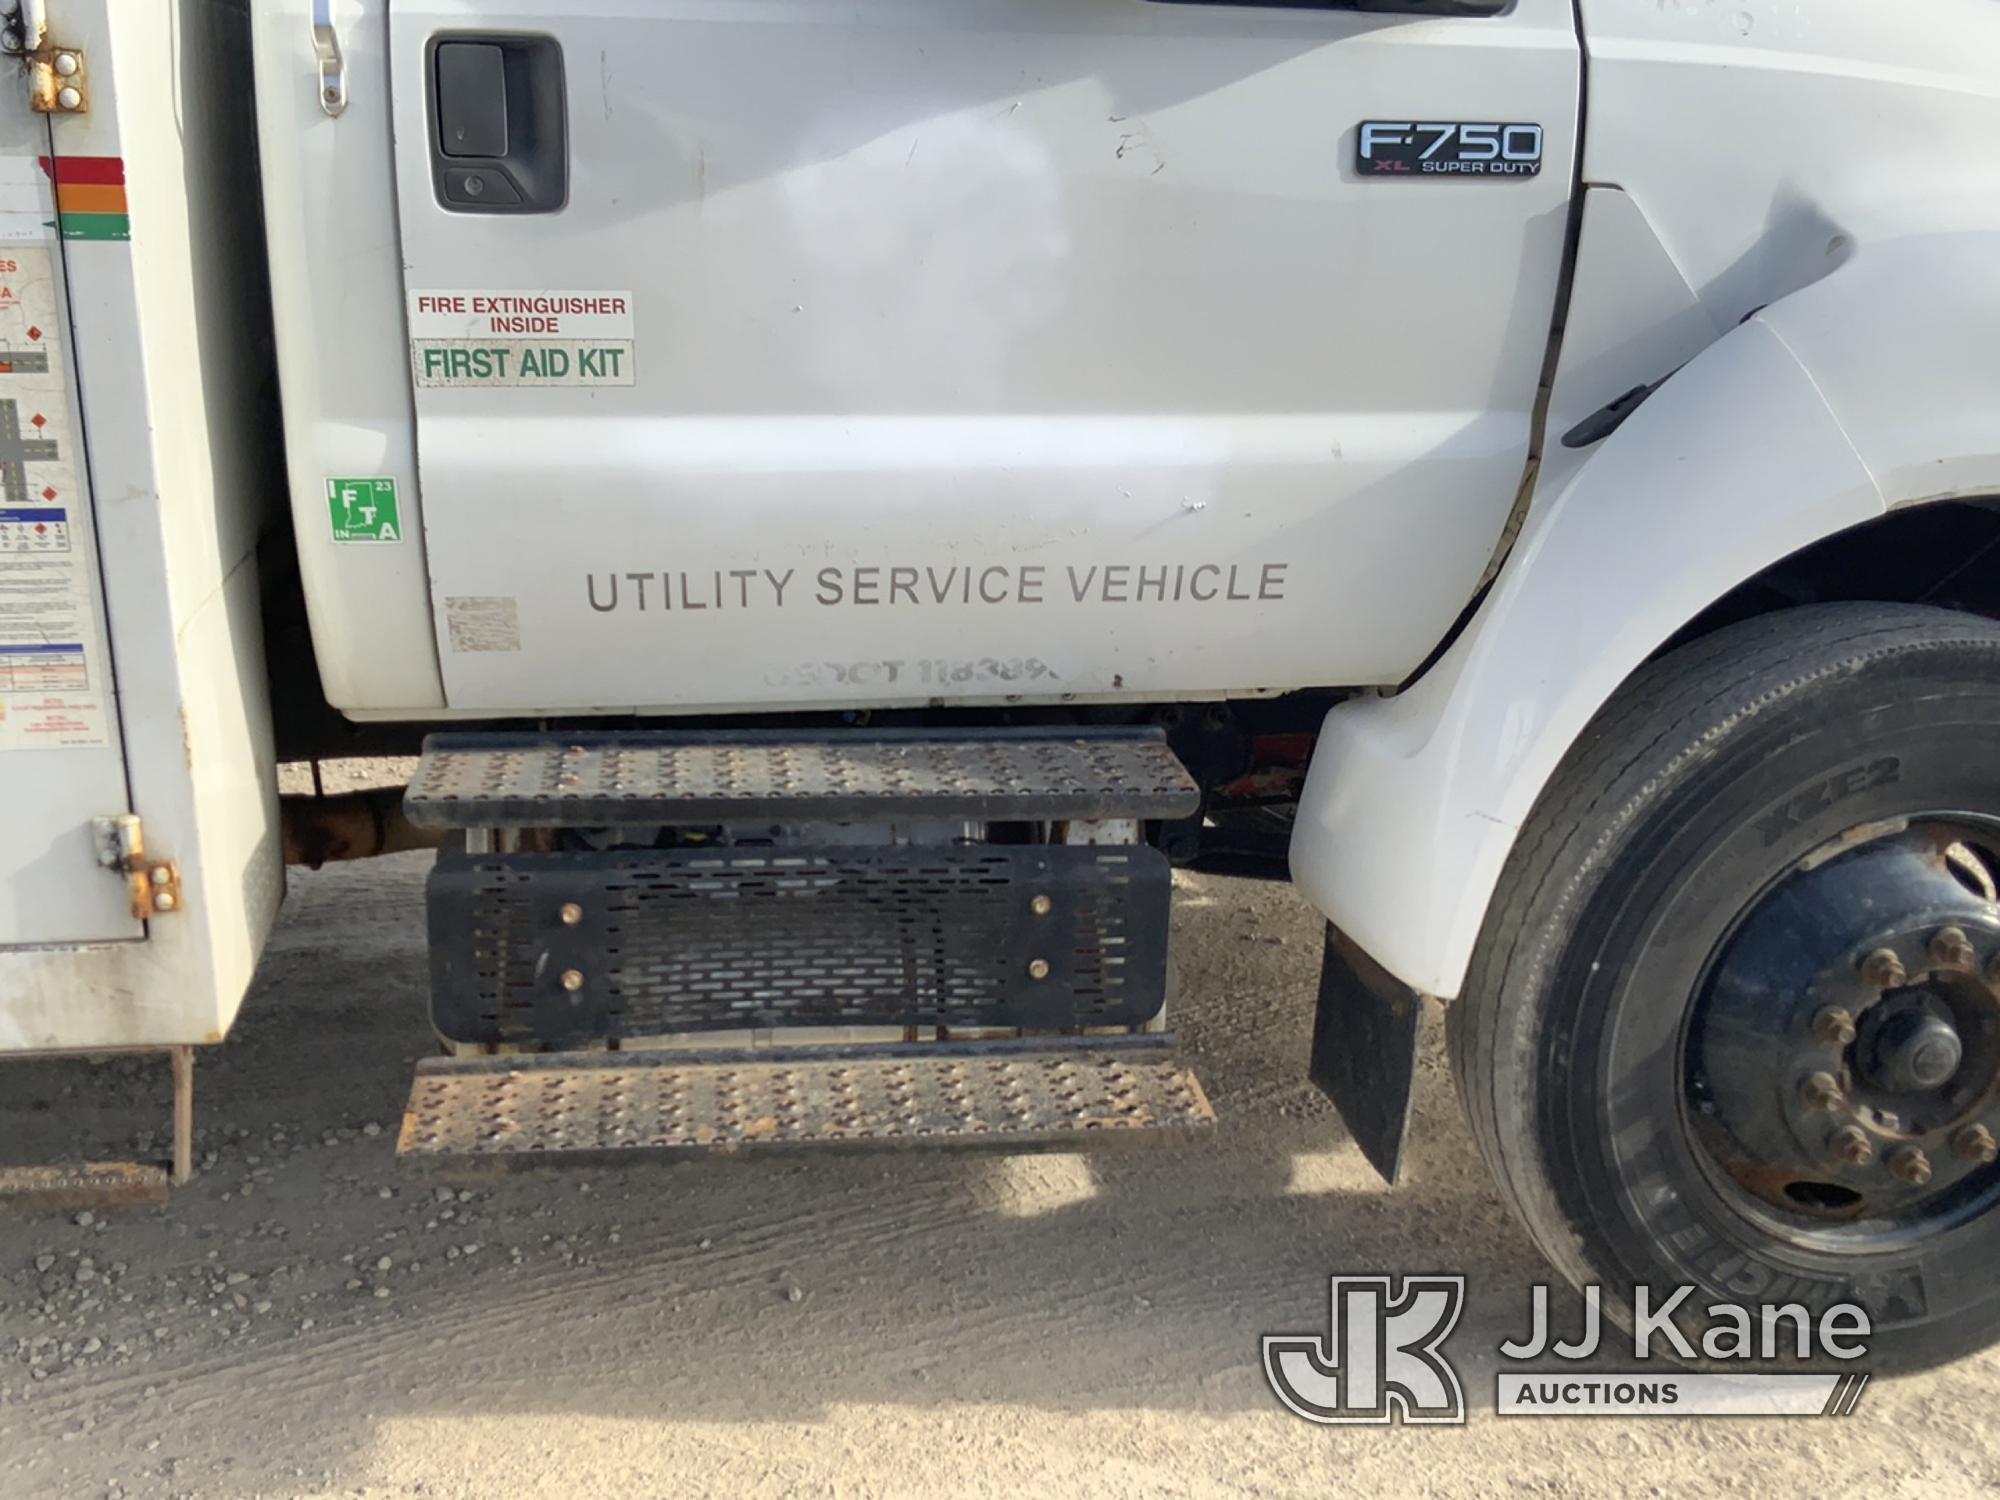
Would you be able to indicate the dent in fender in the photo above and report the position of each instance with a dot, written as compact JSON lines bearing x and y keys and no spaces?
{"x":1873,"y":388}
{"x":1413,"y":803}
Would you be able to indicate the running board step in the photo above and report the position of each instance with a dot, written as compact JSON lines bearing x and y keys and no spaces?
{"x":567,"y":949}
{"x":1057,"y":1093}
{"x":696,"y":778}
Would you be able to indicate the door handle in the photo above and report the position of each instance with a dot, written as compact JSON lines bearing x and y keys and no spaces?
{"x":332,"y":66}
{"x":499,"y":129}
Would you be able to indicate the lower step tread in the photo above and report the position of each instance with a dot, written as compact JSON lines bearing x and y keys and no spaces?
{"x":513,"y":1111}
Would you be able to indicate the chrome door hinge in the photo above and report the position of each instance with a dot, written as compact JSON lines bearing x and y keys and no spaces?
{"x":58,"y":81}
{"x":154,"y":884}
{"x":332,"y":66}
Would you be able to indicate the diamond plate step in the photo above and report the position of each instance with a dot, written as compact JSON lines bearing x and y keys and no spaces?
{"x":506,"y":1112}
{"x":663,"y":777}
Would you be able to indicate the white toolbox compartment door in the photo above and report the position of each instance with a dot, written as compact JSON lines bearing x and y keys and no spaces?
{"x":61,"y":761}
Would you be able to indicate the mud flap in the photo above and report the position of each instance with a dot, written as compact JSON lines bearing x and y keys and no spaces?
{"x":1364,"y":1050}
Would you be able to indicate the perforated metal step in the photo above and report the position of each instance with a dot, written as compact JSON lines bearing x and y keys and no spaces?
{"x":569,"y":948}
{"x":585,"y":780}
{"x":516,"y":1111}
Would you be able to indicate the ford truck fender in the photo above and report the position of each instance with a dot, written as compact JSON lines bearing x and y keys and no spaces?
{"x":1876,"y":387}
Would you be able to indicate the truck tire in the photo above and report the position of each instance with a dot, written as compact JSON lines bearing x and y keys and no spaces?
{"x":1734,"y":1018}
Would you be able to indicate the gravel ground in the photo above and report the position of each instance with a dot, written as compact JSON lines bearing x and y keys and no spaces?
{"x":306,"y":1319}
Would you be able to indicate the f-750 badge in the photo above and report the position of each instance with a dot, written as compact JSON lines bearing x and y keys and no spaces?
{"x":1424,"y":148}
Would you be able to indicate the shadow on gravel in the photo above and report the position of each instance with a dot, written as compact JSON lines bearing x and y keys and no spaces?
{"x":253,"y":1334}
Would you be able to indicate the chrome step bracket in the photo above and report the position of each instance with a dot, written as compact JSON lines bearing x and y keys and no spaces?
{"x":500,"y":1113}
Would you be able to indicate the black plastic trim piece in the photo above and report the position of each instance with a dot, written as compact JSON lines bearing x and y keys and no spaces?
{"x":531,"y":175}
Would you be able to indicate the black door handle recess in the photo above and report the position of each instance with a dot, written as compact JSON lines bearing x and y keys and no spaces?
{"x":499,"y":124}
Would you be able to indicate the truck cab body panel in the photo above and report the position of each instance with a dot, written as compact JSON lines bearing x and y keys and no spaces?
{"x":996,"y":350}
{"x":1844,"y":269}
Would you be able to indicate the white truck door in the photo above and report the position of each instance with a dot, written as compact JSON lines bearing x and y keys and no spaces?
{"x":903,"y":350}
{"x":61,"y":762}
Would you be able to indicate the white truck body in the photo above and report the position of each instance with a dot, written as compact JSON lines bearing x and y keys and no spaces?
{"x":163,"y":482}
{"x":1831,"y":252}
{"x":861,"y":492}
{"x":1022,"y":353}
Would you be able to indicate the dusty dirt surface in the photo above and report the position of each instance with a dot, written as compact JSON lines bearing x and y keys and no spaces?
{"x":308,"y":1320}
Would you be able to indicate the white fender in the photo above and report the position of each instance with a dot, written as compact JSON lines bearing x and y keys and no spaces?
{"x":1876,"y":387}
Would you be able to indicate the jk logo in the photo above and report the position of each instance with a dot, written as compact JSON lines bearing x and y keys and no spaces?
{"x":1380,"y":1359}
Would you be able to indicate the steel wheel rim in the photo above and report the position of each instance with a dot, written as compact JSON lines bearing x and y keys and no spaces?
{"x":1840,"y":1062}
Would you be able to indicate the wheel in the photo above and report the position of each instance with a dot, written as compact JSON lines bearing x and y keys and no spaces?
{"x":1734,"y":1019}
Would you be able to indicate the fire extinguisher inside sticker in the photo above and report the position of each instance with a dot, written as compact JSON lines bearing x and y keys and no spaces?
{"x":364,"y":510}
{"x":491,"y":337}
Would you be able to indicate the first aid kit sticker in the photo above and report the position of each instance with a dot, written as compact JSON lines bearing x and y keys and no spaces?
{"x":521,"y":338}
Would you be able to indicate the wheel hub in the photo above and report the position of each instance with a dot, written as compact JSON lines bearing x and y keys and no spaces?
{"x":1843,"y":1059}
{"x":1909,"y":1045}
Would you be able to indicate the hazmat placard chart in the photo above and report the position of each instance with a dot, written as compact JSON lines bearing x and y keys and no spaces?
{"x":52,"y":679}
{"x":34,"y":529}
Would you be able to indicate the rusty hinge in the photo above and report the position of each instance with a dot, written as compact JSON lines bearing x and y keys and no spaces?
{"x":153,"y":883}
{"x":58,"y":81}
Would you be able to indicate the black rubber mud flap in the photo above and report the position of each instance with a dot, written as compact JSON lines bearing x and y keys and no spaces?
{"x":1364,"y":1051}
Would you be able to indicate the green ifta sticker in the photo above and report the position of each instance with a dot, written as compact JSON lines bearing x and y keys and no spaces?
{"x":364,"y":510}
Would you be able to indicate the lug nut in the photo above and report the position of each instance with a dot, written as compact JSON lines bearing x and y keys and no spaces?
{"x":1850,"y":1144}
{"x":1834,"y":1026}
{"x":572,"y":980}
{"x":1952,"y":948}
{"x":1038,"y":968}
{"x":1975,"y":1143}
{"x":1910,"y":1165}
{"x":1041,"y":906}
{"x":571,"y":914}
{"x":1883,"y":970}
{"x":1822,"y":1091}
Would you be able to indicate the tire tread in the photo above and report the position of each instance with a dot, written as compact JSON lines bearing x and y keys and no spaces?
{"x":1677,"y":709}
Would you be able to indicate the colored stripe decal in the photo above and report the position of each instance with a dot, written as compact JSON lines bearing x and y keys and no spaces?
{"x":90,"y":196}
{"x":96,"y":227}
{"x":99,"y":169}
